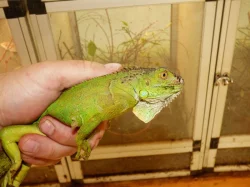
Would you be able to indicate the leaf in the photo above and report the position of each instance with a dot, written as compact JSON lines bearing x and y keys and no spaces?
{"x":91,"y":48}
{"x":125,"y":23}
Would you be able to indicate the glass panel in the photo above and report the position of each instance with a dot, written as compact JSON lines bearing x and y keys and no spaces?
{"x":237,"y":116}
{"x":114,"y":35}
{"x":233,"y":156}
{"x":148,"y":36}
{"x":136,"y":164}
{"x":9,"y":58}
{"x":39,"y":175}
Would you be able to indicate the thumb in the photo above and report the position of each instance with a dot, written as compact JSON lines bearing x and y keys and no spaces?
{"x":65,"y":74}
{"x":74,"y":72}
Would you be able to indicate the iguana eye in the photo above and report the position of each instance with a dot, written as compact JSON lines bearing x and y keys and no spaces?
{"x":164,"y":75}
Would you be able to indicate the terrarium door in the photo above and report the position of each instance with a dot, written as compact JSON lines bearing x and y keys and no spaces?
{"x":175,"y":34}
{"x":228,"y":143}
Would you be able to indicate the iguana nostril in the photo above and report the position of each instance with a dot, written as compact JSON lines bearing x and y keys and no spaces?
{"x":180,"y":79}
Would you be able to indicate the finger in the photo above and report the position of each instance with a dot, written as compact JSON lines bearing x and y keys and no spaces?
{"x":57,"y":131}
{"x":65,"y":135}
{"x":98,"y":134}
{"x":43,"y":147}
{"x":38,"y":161}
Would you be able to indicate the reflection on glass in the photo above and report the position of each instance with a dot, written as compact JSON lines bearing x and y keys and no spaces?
{"x":237,"y":116}
{"x":94,"y":168}
{"x":9,"y":59}
{"x":147,"y":36}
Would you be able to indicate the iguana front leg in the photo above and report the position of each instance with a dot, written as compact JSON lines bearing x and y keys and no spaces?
{"x":82,"y":137}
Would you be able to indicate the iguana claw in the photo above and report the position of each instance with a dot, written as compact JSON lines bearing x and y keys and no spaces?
{"x":85,"y":146}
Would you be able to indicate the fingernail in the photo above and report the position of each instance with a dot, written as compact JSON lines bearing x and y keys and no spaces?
{"x":47,"y":127}
{"x":113,"y":66}
{"x":30,"y":146}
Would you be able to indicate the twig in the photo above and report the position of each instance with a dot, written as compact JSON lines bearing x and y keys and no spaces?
{"x":111,"y":37}
{"x":58,"y":45}
{"x":65,"y":45}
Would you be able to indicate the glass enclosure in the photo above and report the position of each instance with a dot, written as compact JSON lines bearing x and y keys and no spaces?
{"x":236,"y":156}
{"x":186,"y":37}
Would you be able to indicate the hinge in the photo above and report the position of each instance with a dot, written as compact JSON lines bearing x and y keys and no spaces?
{"x":223,"y":79}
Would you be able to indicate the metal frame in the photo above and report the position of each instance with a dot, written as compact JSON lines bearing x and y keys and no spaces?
{"x":21,"y":36}
{"x":42,"y":34}
{"x":215,"y":44}
{"x":224,"y":63}
{"x":94,"y":4}
{"x":35,"y":31}
{"x":62,"y":171}
{"x":19,"y":40}
{"x":18,"y":31}
{"x":234,"y":141}
{"x":2,"y":15}
{"x":4,"y":3}
{"x":203,"y":84}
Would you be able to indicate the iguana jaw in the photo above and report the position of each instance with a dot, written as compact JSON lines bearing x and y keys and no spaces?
{"x":165,"y":100}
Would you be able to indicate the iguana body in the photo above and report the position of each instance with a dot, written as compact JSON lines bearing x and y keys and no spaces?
{"x":87,"y":104}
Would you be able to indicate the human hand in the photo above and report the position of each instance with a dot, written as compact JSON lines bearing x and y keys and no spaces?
{"x":27,"y":92}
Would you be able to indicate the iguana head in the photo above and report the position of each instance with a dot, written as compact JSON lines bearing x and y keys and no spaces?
{"x":159,"y":85}
{"x":156,"y":89}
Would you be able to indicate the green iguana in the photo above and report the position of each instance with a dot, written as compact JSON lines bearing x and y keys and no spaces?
{"x":146,"y":90}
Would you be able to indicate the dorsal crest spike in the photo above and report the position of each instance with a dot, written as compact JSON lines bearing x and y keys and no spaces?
{"x":125,"y":69}
{"x":129,"y":68}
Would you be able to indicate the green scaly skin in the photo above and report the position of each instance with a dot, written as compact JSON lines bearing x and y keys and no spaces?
{"x":5,"y":163}
{"x":146,"y":90}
